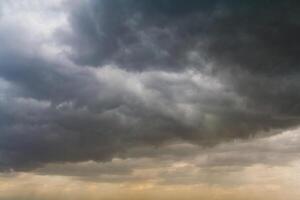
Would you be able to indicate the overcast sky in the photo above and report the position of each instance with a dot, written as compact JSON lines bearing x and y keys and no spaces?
{"x":144,"y":99}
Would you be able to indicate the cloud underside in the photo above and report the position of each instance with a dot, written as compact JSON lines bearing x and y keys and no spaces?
{"x":104,"y":78}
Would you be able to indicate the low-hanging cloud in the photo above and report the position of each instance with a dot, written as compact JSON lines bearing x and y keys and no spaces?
{"x":118,"y":75}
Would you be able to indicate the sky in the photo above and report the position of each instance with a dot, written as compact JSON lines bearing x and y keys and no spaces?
{"x":145,"y":99}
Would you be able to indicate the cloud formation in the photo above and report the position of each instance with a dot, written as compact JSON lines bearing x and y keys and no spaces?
{"x":106,"y":77}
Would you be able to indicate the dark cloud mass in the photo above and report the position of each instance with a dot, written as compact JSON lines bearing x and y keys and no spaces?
{"x":143,"y":73}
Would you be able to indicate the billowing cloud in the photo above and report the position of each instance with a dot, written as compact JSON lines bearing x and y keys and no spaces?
{"x":96,"y":80}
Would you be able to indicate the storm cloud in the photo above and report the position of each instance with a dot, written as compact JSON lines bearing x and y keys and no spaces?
{"x":91,"y":80}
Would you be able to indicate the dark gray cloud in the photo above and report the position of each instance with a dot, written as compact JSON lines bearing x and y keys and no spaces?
{"x":252,"y":45}
{"x":130,"y":74}
{"x":258,"y":35}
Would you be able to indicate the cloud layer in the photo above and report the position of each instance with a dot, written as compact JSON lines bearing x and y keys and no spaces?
{"x":93,"y":80}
